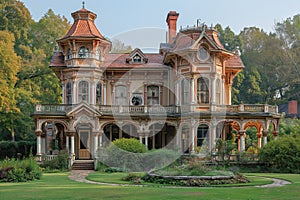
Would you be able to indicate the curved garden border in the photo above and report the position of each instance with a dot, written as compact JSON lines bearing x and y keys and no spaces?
{"x":80,"y":176}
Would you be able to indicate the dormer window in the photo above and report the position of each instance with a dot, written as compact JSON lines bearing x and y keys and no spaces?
{"x":98,"y":54}
{"x":83,"y":52}
{"x":69,"y":56}
{"x":137,"y":59}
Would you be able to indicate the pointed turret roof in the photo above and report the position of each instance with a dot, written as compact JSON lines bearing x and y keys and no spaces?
{"x":83,"y":26}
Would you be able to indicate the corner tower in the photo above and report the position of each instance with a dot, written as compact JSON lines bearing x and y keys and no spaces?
{"x":78,"y":63}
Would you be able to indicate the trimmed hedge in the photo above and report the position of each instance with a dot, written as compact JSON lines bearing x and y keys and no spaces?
{"x":10,"y":149}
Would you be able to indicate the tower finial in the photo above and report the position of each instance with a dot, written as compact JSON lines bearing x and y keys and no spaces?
{"x":83,"y":4}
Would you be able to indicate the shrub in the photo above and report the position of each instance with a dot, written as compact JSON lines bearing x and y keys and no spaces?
{"x":12,"y":170}
{"x":60,"y":162}
{"x":283,"y":154}
{"x":131,"y":145}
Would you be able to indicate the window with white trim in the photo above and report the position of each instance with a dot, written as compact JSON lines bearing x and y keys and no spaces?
{"x":185,"y":91}
{"x":68,"y":93}
{"x":202,"y":91}
{"x":121,"y":95}
{"x":83,"y":52}
{"x":152,"y":95}
{"x":218,"y":92}
{"x":202,"y":133}
{"x":99,"y":94}
{"x":83,"y":91}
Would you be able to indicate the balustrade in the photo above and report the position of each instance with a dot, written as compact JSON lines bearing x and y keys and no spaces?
{"x":156,"y":109}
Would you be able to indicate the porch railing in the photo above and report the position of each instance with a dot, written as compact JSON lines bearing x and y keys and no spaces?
{"x":48,"y":157}
{"x":157,"y":109}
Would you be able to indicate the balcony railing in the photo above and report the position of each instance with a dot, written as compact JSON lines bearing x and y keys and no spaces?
{"x":157,"y":109}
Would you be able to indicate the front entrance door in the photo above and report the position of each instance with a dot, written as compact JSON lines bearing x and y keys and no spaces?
{"x":84,"y":143}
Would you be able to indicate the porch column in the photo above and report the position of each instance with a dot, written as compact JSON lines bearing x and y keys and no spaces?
{"x":213,"y":135}
{"x":146,"y":141}
{"x":242,"y":140}
{"x":67,"y":144}
{"x":101,"y":139}
{"x":96,"y":138}
{"x":259,"y":141}
{"x":265,"y":136}
{"x":141,"y":139}
{"x":193,"y":136}
{"x":73,"y":147}
{"x":39,"y":144}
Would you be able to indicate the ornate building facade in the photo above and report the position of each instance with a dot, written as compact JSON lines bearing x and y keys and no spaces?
{"x":179,"y":98}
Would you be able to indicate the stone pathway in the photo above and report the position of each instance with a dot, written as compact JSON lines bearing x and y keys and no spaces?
{"x":80,"y":176}
{"x":276,"y":183}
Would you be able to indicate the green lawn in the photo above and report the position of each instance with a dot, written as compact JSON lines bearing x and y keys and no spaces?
{"x":58,"y":186}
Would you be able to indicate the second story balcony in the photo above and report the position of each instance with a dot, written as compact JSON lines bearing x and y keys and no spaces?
{"x":62,"y":110}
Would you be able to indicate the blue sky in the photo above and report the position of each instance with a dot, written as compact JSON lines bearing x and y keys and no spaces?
{"x":120,"y":18}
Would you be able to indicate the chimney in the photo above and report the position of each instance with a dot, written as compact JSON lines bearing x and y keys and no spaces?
{"x":293,"y":107}
{"x":172,"y":24}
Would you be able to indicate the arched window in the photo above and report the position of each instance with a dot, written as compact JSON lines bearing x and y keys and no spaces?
{"x":69,"y":93}
{"x":202,"y":91}
{"x":202,"y":133}
{"x":152,"y":95}
{"x":185,"y":91}
{"x":99,"y":94}
{"x":98,"y":54}
{"x":83,"y":52}
{"x":218,"y":92}
{"x":121,"y":95}
{"x":69,"y":56}
{"x":83,"y":91}
{"x":203,"y":53}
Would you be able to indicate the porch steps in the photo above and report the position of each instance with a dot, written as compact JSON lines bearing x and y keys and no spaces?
{"x":83,"y":165}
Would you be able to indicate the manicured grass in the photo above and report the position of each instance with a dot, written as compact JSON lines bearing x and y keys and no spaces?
{"x":58,"y":186}
{"x":109,"y":177}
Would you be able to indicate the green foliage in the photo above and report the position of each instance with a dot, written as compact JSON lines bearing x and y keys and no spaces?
{"x":12,"y":170}
{"x":18,"y":149}
{"x":130,"y":145}
{"x":283,"y":154}
{"x":26,"y":48}
{"x":289,"y":126}
{"x":60,"y":162}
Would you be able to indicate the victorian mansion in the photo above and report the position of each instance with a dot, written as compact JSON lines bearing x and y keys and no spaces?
{"x":179,"y":98}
